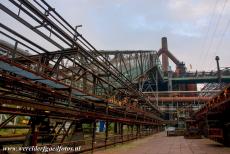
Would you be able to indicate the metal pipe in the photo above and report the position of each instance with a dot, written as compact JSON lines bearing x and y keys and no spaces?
{"x":163,"y":92}
{"x":181,"y":99}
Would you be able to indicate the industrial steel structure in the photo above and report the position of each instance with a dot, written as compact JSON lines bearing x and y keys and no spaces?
{"x":213,"y":117}
{"x":73,"y":86}
{"x":59,"y":88}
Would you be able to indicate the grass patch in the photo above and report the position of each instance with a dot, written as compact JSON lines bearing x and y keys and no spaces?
{"x":12,"y":132}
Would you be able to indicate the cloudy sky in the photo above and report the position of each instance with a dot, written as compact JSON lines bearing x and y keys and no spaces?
{"x":197,"y":30}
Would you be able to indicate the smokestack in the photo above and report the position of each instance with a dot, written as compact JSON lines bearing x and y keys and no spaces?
{"x":165,"y":60}
{"x":164,"y":43}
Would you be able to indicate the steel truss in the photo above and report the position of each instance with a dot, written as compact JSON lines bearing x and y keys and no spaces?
{"x":80,"y":65}
{"x":213,"y":117}
{"x":74,"y":85}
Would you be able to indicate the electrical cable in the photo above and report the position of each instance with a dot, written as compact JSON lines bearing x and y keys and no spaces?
{"x":208,"y":30}
{"x":214,"y":32}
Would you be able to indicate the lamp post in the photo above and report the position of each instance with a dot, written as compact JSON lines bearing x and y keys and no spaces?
{"x":218,"y":70}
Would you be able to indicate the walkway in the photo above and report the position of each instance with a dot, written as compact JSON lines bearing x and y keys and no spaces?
{"x":161,"y":144}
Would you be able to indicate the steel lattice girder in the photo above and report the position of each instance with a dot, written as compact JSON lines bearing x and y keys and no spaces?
{"x":21,"y":88}
{"x":87,"y":76}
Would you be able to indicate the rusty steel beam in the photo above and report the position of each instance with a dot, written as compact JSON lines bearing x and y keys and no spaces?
{"x":76,"y":83}
{"x":60,"y":110}
{"x":4,"y":123}
{"x":219,"y":103}
{"x":38,"y":15}
{"x":26,"y":90}
{"x":181,"y":92}
{"x":82,"y":46}
{"x":181,"y":99}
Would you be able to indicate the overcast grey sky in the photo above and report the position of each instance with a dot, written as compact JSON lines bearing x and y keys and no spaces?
{"x":197,"y":30}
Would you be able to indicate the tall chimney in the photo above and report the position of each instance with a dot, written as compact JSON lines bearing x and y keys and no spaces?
{"x":165,"y":60}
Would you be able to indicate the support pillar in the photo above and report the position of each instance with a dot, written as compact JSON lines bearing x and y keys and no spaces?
{"x":141,"y":128}
{"x":122,"y":133}
{"x":106,"y":131}
{"x":32,"y":136}
{"x":132,"y":131}
{"x":115,"y":127}
{"x":66,"y":133}
{"x":93,"y":134}
{"x":128,"y":131}
{"x":78,"y":134}
{"x":138,"y":131}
